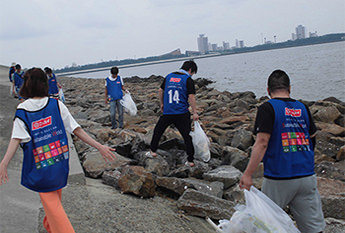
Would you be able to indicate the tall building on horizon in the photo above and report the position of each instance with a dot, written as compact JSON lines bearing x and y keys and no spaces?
{"x":300,"y":32}
{"x":202,"y":44}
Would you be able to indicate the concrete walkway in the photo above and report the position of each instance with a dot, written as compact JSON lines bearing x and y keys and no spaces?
{"x":19,"y":207}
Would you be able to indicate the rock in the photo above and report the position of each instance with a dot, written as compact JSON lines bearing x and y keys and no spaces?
{"x":212,"y":188}
{"x":136,"y":180}
{"x":341,"y":154}
{"x":327,"y":114}
{"x":334,"y":129}
{"x":235,"y":157}
{"x":229,"y":175}
{"x":174,"y":185}
{"x":94,"y":164}
{"x":334,"y":225}
{"x":332,"y":194}
{"x":200,"y":204}
{"x":327,"y":144}
{"x":234,"y":194}
{"x":330,"y":170}
{"x":233,"y":119}
{"x":112,"y":177}
{"x":157,"y":166}
{"x":242,"y":139}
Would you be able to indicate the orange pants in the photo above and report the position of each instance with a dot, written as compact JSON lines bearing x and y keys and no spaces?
{"x":56,"y":220}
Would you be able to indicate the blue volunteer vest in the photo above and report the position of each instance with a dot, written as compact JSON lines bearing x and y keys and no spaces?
{"x":114,"y":88}
{"x":46,"y":155}
{"x":52,"y":83}
{"x":18,"y":80}
{"x":290,"y":153}
{"x":11,"y":72}
{"x":175,"y":94}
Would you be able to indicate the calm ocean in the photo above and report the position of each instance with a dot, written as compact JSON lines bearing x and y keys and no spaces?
{"x":316,"y":71}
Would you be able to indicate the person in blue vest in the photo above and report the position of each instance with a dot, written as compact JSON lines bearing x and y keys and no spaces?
{"x":113,"y":94}
{"x":40,"y":127}
{"x":10,"y":74}
{"x":285,"y":143}
{"x":54,"y":86}
{"x":175,"y":94}
{"x":18,"y":81}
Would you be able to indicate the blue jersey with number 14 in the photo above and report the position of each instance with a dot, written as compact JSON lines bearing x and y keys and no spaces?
{"x":175,"y":94}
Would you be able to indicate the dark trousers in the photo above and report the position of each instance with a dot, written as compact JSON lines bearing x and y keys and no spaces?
{"x":183,"y":123}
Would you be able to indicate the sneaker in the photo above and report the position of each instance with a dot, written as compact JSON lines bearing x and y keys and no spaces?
{"x":151,"y":154}
{"x":189,"y":164}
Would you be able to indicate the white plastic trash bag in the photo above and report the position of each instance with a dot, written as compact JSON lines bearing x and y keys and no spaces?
{"x":129,"y":105}
{"x":61,"y":95}
{"x":201,"y":143}
{"x":259,"y":215}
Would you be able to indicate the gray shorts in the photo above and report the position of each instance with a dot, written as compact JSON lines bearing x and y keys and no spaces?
{"x":303,"y":199}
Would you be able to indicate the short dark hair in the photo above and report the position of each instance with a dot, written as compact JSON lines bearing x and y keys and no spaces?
{"x":278,"y":80}
{"x":48,"y":70}
{"x":114,"y":70}
{"x":18,"y":67}
{"x":35,"y":84}
{"x":190,"y":65}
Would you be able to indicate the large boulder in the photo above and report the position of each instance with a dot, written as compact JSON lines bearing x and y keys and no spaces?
{"x":201,"y":204}
{"x":138,"y":181}
{"x":227,"y":174}
{"x":326,"y":114}
{"x":235,"y":157}
{"x":94,"y":164}
{"x":332,"y":194}
{"x":242,"y":139}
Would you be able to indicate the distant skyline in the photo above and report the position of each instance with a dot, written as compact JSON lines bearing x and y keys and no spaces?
{"x":58,"y":33}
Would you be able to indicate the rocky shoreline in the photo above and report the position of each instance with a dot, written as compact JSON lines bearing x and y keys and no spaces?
{"x":208,"y":189}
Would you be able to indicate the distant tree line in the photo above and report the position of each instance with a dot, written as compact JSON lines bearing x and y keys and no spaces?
{"x":290,"y":43}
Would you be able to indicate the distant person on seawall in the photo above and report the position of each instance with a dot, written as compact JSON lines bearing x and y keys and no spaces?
{"x":113,"y":94}
{"x":53,"y":84}
{"x":40,"y":127}
{"x":175,"y":94}
{"x":285,"y":143}
{"x":18,"y":81}
{"x":10,"y":74}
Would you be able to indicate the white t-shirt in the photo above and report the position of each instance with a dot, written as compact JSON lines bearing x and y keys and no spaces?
{"x":113,"y":79}
{"x":19,"y":128}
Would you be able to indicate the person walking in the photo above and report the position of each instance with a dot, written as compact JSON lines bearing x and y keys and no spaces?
{"x":53,"y":84}
{"x":40,"y":127}
{"x":18,"y":80}
{"x":113,"y":94}
{"x":10,"y":74}
{"x":285,"y":143}
{"x":175,"y":94}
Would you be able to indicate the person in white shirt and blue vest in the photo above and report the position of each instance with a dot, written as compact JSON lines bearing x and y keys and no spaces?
{"x":175,"y":94}
{"x":285,"y":143}
{"x":113,"y":94}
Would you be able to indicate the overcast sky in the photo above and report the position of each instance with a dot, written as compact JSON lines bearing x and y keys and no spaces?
{"x":57,"y":33}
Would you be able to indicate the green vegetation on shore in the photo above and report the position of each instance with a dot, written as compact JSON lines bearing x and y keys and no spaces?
{"x":300,"y":42}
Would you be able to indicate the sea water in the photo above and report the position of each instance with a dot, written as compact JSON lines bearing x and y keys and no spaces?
{"x":316,"y":71}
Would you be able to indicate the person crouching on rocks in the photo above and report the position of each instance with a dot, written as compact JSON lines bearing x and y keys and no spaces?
{"x":40,"y":127}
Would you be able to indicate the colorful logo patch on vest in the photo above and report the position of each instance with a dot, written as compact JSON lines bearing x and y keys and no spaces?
{"x":294,"y":141}
{"x":50,"y":154}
